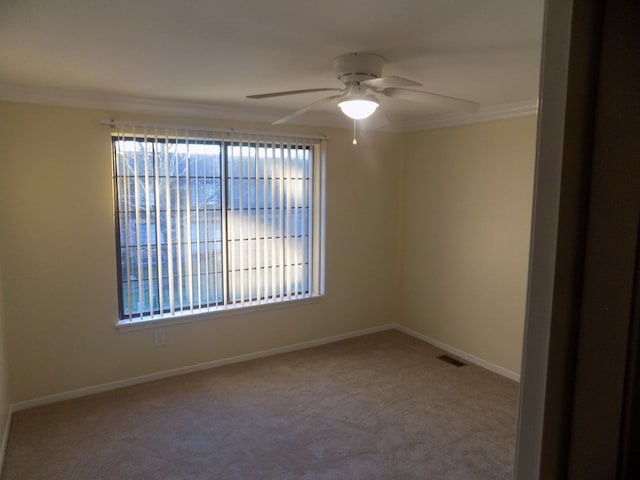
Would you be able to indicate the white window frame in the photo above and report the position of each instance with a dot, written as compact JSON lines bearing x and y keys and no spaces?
{"x":290,"y":144}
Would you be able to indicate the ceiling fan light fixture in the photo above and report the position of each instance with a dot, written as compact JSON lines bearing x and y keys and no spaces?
{"x":359,"y":108}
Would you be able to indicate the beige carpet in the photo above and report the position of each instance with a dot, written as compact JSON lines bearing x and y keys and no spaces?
{"x":380,"y":406}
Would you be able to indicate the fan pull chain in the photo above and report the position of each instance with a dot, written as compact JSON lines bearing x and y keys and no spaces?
{"x":355,"y":142}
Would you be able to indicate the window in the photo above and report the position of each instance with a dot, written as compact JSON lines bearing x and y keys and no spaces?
{"x":214,"y":221}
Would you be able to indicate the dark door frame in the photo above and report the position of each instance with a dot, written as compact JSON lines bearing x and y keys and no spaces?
{"x":577,"y":389}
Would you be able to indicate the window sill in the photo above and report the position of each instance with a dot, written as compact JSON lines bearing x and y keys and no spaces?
{"x":131,"y":325}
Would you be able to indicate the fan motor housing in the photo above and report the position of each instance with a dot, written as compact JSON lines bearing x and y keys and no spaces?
{"x":357,"y":67}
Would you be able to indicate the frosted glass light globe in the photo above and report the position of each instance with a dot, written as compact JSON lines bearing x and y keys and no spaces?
{"x":358,"y":109}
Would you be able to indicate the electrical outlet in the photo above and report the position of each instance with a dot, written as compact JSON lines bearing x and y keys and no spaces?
{"x":159,"y":337}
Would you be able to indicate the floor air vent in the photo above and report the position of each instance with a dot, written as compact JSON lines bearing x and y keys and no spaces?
{"x":453,"y":361}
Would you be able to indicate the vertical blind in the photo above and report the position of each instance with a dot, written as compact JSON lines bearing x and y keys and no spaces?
{"x":210,"y":220}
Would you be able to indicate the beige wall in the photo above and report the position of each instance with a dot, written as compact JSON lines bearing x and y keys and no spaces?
{"x":463,"y":195}
{"x":467,"y":214}
{"x":58,"y":256}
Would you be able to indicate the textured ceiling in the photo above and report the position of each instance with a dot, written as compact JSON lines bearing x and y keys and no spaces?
{"x":211,"y":54}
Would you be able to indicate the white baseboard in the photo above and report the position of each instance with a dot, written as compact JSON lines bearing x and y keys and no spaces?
{"x":81,"y":392}
{"x":459,"y":353}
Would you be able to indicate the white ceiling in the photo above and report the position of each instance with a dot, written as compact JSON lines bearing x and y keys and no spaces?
{"x":205,"y":56}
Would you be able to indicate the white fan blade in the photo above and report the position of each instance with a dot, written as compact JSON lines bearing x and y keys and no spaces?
{"x":294,"y":92}
{"x":307,"y":108}
{"x":432,"y":99}
{"x":389,"y":82}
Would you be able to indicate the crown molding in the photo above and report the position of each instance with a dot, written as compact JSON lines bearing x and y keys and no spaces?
{"x":484,"y":114}
{"x":136,"y":104}
{"x":125,"y":103}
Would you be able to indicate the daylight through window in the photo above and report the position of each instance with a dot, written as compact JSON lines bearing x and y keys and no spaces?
{"x":210,"y":221}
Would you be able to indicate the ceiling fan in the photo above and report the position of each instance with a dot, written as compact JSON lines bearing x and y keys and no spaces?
{"x":362,"y":76}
